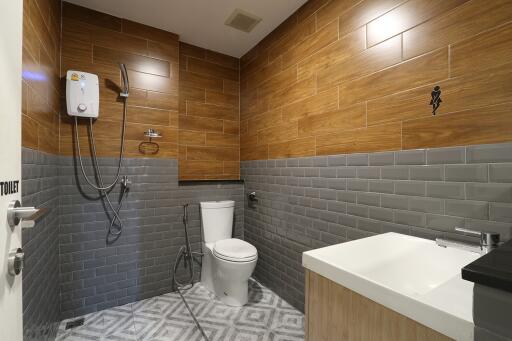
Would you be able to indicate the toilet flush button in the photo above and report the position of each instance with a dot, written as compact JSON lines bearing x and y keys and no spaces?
{"x":82,"y":107}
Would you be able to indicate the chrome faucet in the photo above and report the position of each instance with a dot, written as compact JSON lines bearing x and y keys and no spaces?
{"x":488,"y":241}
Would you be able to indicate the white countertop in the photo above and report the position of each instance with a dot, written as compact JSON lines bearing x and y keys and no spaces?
{"x":410,"y":275}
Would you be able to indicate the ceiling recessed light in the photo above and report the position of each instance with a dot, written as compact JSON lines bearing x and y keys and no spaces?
{"x":242,"y":20}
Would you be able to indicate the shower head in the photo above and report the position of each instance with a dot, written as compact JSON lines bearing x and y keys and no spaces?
{"x":126,"y":83}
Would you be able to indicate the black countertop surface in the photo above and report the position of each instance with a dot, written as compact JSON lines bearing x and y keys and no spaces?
{"x":493,"y":269}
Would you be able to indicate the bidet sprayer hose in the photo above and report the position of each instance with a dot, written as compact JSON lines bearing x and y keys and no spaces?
{"x":185,"y":252}
{"x":187,"y":255}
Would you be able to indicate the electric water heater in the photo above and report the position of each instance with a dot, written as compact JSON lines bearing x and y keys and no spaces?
{"x":82,"y":94}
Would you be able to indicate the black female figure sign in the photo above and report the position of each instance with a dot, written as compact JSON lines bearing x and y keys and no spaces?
{"x":435,"y":102}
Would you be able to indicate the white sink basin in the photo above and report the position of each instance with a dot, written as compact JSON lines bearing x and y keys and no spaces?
{"x":410,"y":275}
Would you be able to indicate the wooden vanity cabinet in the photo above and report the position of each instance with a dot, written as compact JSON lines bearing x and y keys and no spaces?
{"x":335,"y":313}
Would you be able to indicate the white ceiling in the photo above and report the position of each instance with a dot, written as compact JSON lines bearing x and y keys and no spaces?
{"x":201,"y":22}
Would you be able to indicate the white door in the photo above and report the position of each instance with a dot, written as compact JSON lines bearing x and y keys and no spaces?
{"x":11,"y":20}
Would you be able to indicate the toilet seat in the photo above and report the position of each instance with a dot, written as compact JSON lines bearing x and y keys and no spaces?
{"x":235,"y":250}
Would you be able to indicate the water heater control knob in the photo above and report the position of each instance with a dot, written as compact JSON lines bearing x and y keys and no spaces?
{"x":82,"y":107}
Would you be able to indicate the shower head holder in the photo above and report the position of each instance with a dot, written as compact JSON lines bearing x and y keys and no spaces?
{"x":152,"y":134}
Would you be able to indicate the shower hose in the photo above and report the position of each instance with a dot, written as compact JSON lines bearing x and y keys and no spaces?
{"x":100,"y":186}
{"x":104,"y":190}
{"x":186,"y":255}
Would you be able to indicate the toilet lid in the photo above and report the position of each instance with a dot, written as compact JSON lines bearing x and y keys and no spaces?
{"x":235,"y":250}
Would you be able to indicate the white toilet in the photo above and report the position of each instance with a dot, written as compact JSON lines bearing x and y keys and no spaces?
{"x":228,"y":262}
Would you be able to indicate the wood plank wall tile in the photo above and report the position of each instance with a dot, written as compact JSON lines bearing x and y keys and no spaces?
{"x":463,"y":22}
{"x":304,"y":29}
{"x":198,"y":115}
{"x":422,"y":70}
{"x":484,"y":125}
{"x":334,"y":77}
{"x":406,"y":16}
{"x":364,"y":12}
{"x":360,"y":79}
{"x":209,"y":115}
{"x":40,"y":79}
{"x":489,"y":49}
{"x":96,"y":42}
{"x":368,"y":61}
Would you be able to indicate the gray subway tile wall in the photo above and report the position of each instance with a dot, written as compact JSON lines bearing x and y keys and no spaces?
{"x":70,"y":270}
{"x":94,"y":275}
{"x":426,"y":193}
{"x":304,"y":203}
{"x":40,"y":188}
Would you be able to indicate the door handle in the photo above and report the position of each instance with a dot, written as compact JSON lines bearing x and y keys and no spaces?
{"x":28,"y":215}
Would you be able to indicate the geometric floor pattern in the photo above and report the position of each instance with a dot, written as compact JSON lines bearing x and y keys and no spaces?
{"x":266,"y":317}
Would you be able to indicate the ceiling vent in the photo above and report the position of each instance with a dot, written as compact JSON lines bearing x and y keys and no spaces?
{"x":242,"y":20}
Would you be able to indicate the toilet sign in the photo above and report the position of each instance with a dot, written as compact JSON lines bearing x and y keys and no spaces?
{"x":9,"y":187}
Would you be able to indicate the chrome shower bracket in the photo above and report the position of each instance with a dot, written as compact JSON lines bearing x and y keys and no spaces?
{"x":125,"y":181}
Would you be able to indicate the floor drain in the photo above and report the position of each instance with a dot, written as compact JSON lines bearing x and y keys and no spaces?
{"x":75,"y":323}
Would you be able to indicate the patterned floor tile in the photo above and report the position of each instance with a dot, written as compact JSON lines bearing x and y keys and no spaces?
{"x":285,"y":336}
{"x":266,"y":317}
{"x":197,"y":305}
{"x":237,"y":333}
{"x":158,"y":306}
{"x":123,"y":334}
{"x":92,"y":329}
{"x":219,"y":313}
{"x":199,"y":292}
{"x":255,"y":317}
{"x":261,"y":296}
{"x":214,"y":332}
{"x":288,"y":320}
{"x":118,"y":319}
{"x":82,"y":334}
{"x":167,"y":330}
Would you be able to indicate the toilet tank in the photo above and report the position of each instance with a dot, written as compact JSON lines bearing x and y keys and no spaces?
{"x":217,"y":220}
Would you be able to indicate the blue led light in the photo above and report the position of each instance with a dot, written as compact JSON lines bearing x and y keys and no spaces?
{"x":34,"y":76}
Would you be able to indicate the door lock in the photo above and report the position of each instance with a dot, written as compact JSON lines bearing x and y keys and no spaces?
{"x":15,"y":261}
